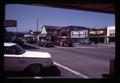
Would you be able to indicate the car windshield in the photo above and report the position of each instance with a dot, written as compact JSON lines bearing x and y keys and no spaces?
{"x":19,"y":50}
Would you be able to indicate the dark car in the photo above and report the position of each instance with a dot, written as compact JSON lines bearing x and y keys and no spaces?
{"x":19,"y":41}
{"x":67,"y":44}
{"x":49,"y":44}
{"x":46,"y":43}
{"x":8,"y":38}
{"x":41,"y":43}
{"x":31,"y":40}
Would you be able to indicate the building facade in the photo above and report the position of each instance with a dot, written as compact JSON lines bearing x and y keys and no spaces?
{"x":80,"y":36}
{"x":103,"y":35}
{"x":97,"y":35}
{"x":110,"y":34}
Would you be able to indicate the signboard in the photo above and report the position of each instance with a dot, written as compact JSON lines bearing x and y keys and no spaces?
{"x":10,"y":23}
{"x":111,"y":31}
{"x":79,"y":34}
{"x":92,"y":32}
{"x":99,"y":32}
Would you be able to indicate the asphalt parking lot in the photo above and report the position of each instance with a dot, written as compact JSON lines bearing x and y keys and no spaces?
{"x":77,"y":62}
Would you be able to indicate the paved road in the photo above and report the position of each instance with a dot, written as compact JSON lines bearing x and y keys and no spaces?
{"x":82,"y":61}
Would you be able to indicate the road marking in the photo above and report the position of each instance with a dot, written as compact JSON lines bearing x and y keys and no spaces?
{"x":71,"y":70}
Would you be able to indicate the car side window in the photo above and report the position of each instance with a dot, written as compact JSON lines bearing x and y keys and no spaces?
{"x":9,"y":50}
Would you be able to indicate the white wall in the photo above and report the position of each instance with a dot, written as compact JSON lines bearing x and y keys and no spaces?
{"x":109,"y":28}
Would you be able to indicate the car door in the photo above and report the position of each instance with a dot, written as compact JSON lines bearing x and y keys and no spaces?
{"x":12,"y":61}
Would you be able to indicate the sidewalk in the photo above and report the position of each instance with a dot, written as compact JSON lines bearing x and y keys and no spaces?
{"x":102,"y":44}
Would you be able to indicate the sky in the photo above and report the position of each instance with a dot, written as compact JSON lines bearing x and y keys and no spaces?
{"x":27,"y":15}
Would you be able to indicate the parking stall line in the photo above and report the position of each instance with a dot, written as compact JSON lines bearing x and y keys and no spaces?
{"x":71,"y":70}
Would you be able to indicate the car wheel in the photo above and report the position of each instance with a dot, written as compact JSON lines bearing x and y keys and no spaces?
{"x":35,"y":69}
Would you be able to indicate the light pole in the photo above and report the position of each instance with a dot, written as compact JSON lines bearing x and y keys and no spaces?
{"x":37,"y":26}
{"x":16,"y":32}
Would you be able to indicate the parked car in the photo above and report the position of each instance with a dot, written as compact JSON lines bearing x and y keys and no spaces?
{"x":31,"y":40}
{"x":49,"y":44}
{"x":64,"y":43}
{"x":19,"y":41}
{"x":8,"y":38}
{"x":46,"y":43}
{"x":18,"y":59}
{"x":67,"y":43}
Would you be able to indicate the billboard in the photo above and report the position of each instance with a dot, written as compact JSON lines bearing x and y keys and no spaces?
{"x":111,"y":31}
{"x":10,"y":23}
{"x":98,"y":32}
{"x":79,"y":34}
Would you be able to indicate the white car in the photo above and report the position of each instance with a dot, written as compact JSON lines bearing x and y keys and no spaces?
{"x":17,"y":59}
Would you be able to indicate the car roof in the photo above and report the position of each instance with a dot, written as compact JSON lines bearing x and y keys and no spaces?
{"x":9,"y":44}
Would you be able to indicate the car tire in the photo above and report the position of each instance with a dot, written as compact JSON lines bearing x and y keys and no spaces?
{"x":35,"y":69}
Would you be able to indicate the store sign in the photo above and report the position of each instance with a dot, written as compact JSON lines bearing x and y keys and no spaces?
{"x":100,"y":32}
{"x":92,"y":32}
{"x":79,"y":34}
{"x":111,"y":31}
{"x":10,"y":23}
{"x":75,"y":33}
{"x":97,"y":32}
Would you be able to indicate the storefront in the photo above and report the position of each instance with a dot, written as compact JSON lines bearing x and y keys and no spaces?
{"x":97,"y":35}
{"x":79,"y":36}
{"x":110,"y":34}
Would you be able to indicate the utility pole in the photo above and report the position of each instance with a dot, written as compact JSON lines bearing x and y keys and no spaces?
{"x":16,"y":32}
{"x":37,"y":31}
{"x":37,"y":26}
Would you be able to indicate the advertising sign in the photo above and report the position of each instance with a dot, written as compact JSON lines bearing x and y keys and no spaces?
{"x":79,"y":34}
{"x":10,"y":23}
{"x":98,"y":32}
{"x":111,"y":31}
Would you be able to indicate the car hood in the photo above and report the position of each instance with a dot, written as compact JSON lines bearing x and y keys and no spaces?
{"x":37,"y":54}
